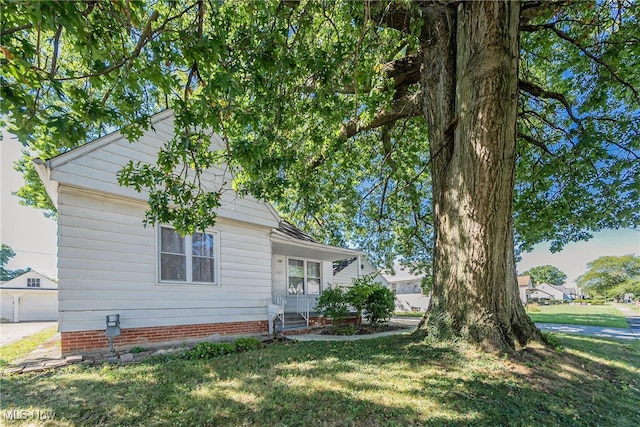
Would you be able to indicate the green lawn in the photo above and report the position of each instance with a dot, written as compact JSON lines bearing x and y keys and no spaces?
{"x":390,"y":381}
{"x":13,"y":351}
{"x":591,"y":315}
{"x":409,"y":314}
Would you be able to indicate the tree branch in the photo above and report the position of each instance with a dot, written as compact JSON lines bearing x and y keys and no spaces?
{"x":56,"y":47}
{"x":404,"y":72}
{"x":566,"y":37}
{"x":540,"y":92}
{"x":535,"y":142}
{"x":408,"y":106}
{"x":397,"y":18}
{"x":15,"y":29}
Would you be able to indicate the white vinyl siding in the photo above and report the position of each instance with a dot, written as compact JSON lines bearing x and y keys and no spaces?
{"x":108,"y":264}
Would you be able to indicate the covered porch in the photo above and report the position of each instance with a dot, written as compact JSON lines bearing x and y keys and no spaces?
{"x":302,"y":269}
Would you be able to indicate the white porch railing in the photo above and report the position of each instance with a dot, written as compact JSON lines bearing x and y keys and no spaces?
{"x":276,"y":311}
{"x":302,"y":306}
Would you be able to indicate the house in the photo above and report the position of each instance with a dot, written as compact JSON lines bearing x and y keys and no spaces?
{"x":525,"y":287}
{"x":231,"y":279}
{"x":29,"y":297}
{"x":407,"y":288}
{"x":551,"y":292}
{"x":344,"y":271}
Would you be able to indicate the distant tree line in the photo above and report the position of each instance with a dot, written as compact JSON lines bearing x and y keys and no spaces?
{"x":612,"y":276}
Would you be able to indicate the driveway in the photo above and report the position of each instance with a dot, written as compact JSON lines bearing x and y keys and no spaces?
{"x":12,"y":332}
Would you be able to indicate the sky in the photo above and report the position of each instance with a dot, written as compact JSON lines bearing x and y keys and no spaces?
{"x":33,"y":237}
{"x":25,"y":229}
{"x":573,"y":259}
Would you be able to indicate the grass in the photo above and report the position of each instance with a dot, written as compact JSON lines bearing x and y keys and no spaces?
{"x":409,"y":314}
{"x":390,"y":381}
{"x":590,"y":315}
{"x":18,"y":349}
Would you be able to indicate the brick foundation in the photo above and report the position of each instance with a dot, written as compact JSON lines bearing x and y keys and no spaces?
{"x":96,"y":340}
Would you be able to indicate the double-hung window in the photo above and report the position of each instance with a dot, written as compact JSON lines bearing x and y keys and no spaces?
{"x":33,"y":282}
{"x":304,"y":277}
{"x":188,"y":259}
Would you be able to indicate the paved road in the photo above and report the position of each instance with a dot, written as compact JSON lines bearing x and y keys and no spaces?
{"x":596,"y":331}
{"x":12,"y":332}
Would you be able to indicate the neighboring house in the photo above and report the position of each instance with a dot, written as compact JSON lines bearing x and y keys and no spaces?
{"x":407,"y":288}
{"x":29,"y":297}
{"x":525,"y":287}
{"x":346,"y":270}
{"x":230,"y":279}
{"x":546,"y":291}
{"x":572,"y":293}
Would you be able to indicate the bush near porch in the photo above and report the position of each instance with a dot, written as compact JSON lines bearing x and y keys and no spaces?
{"x":365,"y":296}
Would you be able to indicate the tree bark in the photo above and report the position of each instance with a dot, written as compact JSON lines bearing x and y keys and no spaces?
{"x":470,"y":81}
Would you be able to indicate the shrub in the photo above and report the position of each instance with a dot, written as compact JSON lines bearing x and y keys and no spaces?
{"x":379,"y":305}
{"x":365,"y":296}
{"x":371,"y":298}
{"x":533,"y":308}
{"x":359,"y":293}
{"x":209,"y":350}
{"x":333,"y":304}
{"x":247,"y":343}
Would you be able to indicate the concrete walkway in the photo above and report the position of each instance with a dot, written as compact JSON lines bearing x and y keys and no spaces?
{"x":12,"y":332}
{"x":633,"y":317}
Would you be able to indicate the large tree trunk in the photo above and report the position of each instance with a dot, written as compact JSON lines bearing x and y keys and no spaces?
{"x":470,"y":81}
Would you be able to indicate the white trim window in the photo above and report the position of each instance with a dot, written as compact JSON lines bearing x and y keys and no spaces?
{"x":33,"y":282}
{"x":304,"y":277}
{"x":188,"y":259}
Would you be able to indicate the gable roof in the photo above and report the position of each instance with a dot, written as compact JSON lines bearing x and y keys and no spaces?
{"x":94,"y":167}
{"x":19,"y":282}
{"x":98,"y":143}
{"x":524,"y":281}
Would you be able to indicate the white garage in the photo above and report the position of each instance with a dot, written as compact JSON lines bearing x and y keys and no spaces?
{"x":29,"y":297}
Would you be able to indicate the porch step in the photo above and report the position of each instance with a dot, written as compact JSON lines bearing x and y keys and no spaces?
{"x":292,"y":321}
